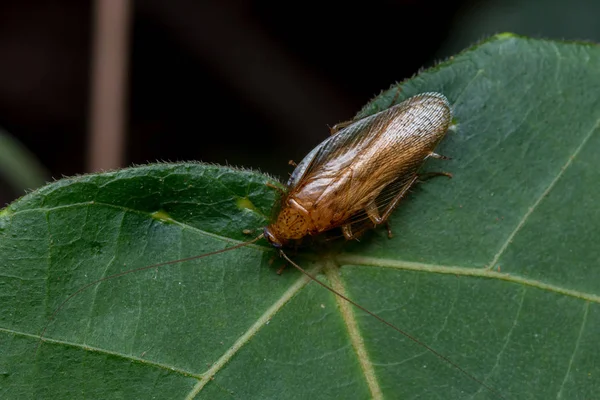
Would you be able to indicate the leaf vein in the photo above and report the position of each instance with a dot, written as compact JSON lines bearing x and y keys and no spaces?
{"x":97,"y":350}
{"x":246,"y":336}
{"x":104,"y":273}
{"x":586,"y":308}
{"x":543,"y":195}
{"x":506,"y":341}
{"x":479,"y":72}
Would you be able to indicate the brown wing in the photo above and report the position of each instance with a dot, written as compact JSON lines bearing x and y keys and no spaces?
{"x":370,"y":160}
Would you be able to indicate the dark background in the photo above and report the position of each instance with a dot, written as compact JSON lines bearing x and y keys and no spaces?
{"x":249,"y":83}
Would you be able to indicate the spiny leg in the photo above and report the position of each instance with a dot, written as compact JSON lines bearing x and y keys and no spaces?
{"x":389,"y":229}
{"x":373,"y":212}
{"x":347,"y":231}
{"x":280,"y":190}
{"x":438,"y":156}
{"x":428,"y":175}
{"x":293,"y":164}
{"x":280,"y":269}
{"x":339,"y":126}
{"x":395,"y":99}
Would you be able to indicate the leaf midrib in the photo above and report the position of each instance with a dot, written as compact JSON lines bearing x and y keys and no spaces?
{"x":182,"y":225}
{"x":347,"y":312}
{"x":352,"y":259}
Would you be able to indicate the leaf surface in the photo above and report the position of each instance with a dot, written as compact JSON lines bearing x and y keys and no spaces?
{"x":497,"y":269}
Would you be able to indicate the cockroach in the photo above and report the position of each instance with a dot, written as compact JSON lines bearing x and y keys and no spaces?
{"x":352,"y":181}
{"x":361,"y":172}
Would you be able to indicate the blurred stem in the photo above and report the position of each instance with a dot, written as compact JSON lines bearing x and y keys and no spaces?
{"x":18,"y":166}
{"x":109,"y":84}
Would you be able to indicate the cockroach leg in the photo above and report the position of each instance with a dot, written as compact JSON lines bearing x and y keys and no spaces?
{"x":292,"y":163}
{"x":373,"y":212}
{"x":347,"y":231}
{"x":339,"y":126}
{"x":248,"y":231}
{"x":280,"y":190}
{"x":428,"y":175}
{"x":395,"y":99}
{"x":280,"y":270}
{"x":389,"y":229}
{"x":438,"y":156}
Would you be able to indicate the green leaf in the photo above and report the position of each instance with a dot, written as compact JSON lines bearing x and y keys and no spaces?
{"x":496,"y":269}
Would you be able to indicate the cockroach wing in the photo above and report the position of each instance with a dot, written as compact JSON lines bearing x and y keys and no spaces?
{"x":327,"y":149}
{"x":422,"y":119}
